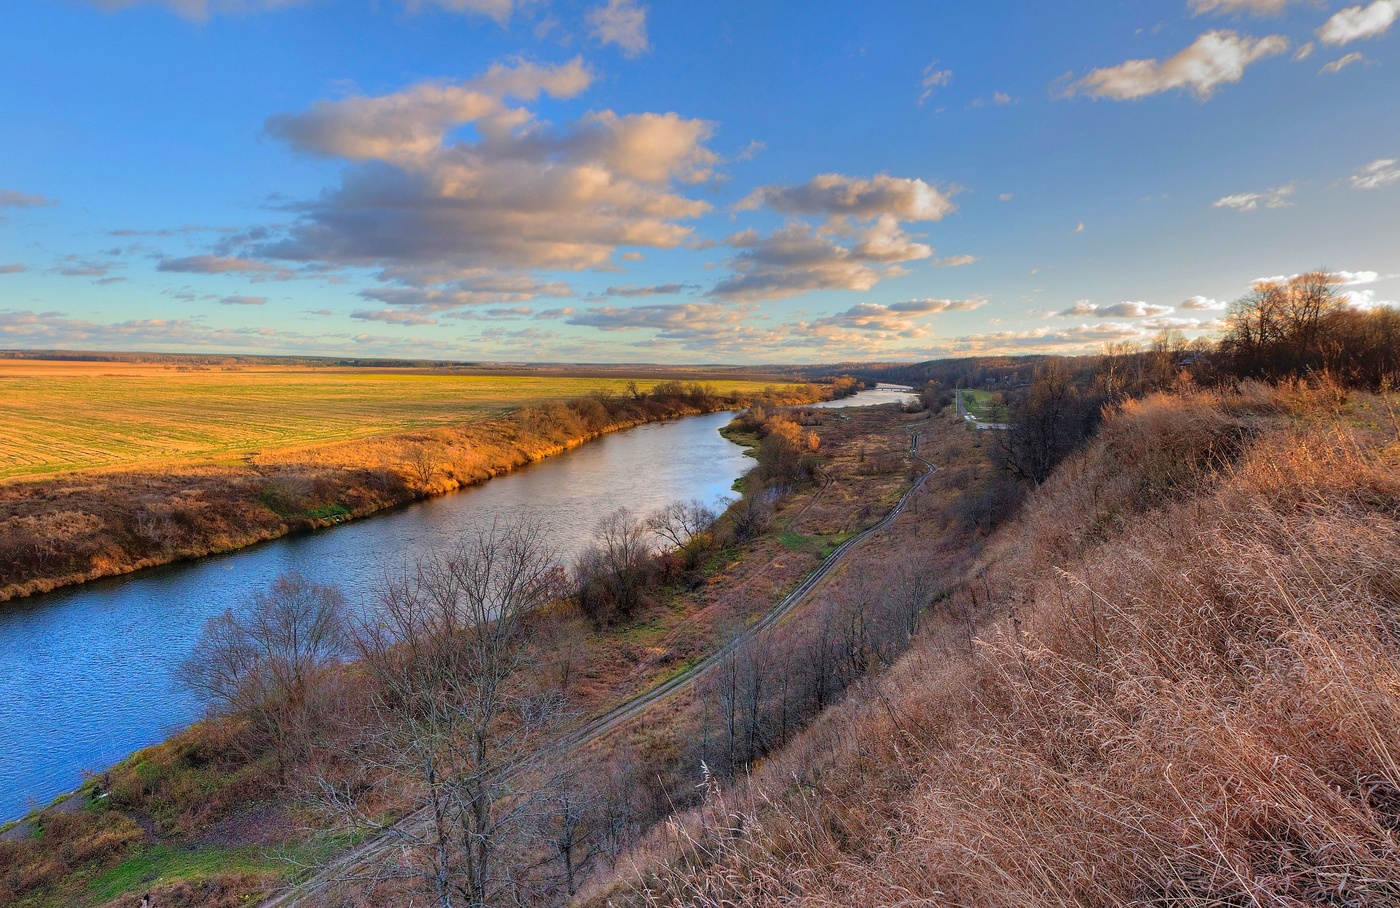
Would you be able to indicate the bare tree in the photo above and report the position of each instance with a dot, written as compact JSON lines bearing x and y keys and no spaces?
{"x":681,"y":521}
{"x":568,"y":826}
{"x":463,"y":724}
{"x":265,"y":661}
{"x":614,"y":576}
{"x":752,"y":513}
{"x":422,"y":462}
{"x":907,"y":591}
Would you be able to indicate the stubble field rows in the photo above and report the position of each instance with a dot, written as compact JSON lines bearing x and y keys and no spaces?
{"x":61,"y":417}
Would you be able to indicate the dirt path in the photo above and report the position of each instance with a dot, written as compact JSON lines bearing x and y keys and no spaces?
{"x":367,"y":851}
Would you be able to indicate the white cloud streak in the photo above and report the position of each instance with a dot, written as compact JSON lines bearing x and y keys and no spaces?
{"x":1343,"y":62}
{"x":1356,"y":23}
{"x":1229,"y":7}
{"x":835,"y":195}
{"x":1278,"y":197}
{"x":1086,"y":309}
{"x":1378,"y":174}
{"x":1216,"y":58}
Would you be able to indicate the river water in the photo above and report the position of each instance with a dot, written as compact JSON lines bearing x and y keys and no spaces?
{"x":86,"y":674}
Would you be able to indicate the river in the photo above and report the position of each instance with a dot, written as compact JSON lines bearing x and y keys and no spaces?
{"x":88,"y":671}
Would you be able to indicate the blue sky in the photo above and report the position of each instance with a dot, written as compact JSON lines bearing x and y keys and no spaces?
{"x":617,"y":180}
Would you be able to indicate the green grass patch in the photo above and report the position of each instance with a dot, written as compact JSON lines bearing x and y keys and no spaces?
{"x":328,"y":512}
{"x":155,"y":865}
{"x":160,"y":864}
{"x":744,"y":438}
{"x":642,"y":633}
{"x":820,"y":545}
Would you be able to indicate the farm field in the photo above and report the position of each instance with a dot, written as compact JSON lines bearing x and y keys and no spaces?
{"x":57,"y":417}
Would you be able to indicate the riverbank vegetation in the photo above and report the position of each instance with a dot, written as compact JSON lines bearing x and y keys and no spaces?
{"x":216,"y":785}
{"x":215,"y":495}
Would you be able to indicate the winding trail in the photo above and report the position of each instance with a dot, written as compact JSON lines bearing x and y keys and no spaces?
{"x":600,"y":725}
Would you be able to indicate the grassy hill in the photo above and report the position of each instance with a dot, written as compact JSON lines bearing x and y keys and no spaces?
{"x":1173,"y":679}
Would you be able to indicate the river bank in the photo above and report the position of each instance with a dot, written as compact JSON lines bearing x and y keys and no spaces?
{"x":64,"y":530}
{"x":200,"y":796}
{"x":114,"y":643}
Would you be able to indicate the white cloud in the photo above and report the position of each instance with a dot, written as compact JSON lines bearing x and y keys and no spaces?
{"x":1378,"y":174}
{"x":1304,"y":51}
{"x":498,"y":10}
{"x":1366,"y":299}
{"x":835,"y":195}
{"x":860,"y":242}
{"x":1257,"y":7}
{"x":1358,"y":22}
{"x":630,"y":291}
{"x":933,"y":79}
{"x":477,"y":289}
{"x":26,"y":328}
{"x":898,"y":321}
{"x":798,"y":258}
{"x":1203,"y":303}
{"x":1342,"y":63}
{"x":393,"y":316}
{"x":408,"y":126}
{"x":621,"y":22}
{"x":201,"y":10}
{"x":1358,"y":278}
{"x":222,"y":264}
{"x":1079,"y":228}
{"x":1278,"y":197}
{"x":1005,"y":197}
{"x":698,"y":326}
{"x":1216,"y":58}
{"x":519,"y":194}
{"x":743,"y":330}
{"x":1086,"y":309}
{"x":954,"y":261}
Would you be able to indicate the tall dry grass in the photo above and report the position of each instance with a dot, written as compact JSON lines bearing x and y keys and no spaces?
{"x":1193,"y":697}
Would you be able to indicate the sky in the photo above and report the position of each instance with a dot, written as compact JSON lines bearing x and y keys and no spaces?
{"x":683,"y":182}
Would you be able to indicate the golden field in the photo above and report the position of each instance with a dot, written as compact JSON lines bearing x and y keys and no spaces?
{"x":62,"y":416}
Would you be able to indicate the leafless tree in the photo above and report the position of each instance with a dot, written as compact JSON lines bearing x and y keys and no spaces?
{"x":568,"y":826}
{"x":681,"y":521}
{"x":614,"y":575}
{"x":265,"y":661}
{"x":422,"y":462}
{"x":752,"y":513}
{"x":906,"y":592}
{"x":462,"y":724}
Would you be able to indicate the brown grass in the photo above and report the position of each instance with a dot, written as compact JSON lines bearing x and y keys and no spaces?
{"x":1192,"y":696}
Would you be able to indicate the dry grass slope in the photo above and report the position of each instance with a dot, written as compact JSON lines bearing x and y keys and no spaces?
{"x":1191,"y":695}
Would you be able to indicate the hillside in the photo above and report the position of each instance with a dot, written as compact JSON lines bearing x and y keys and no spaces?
{"x":1174,"y":678}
